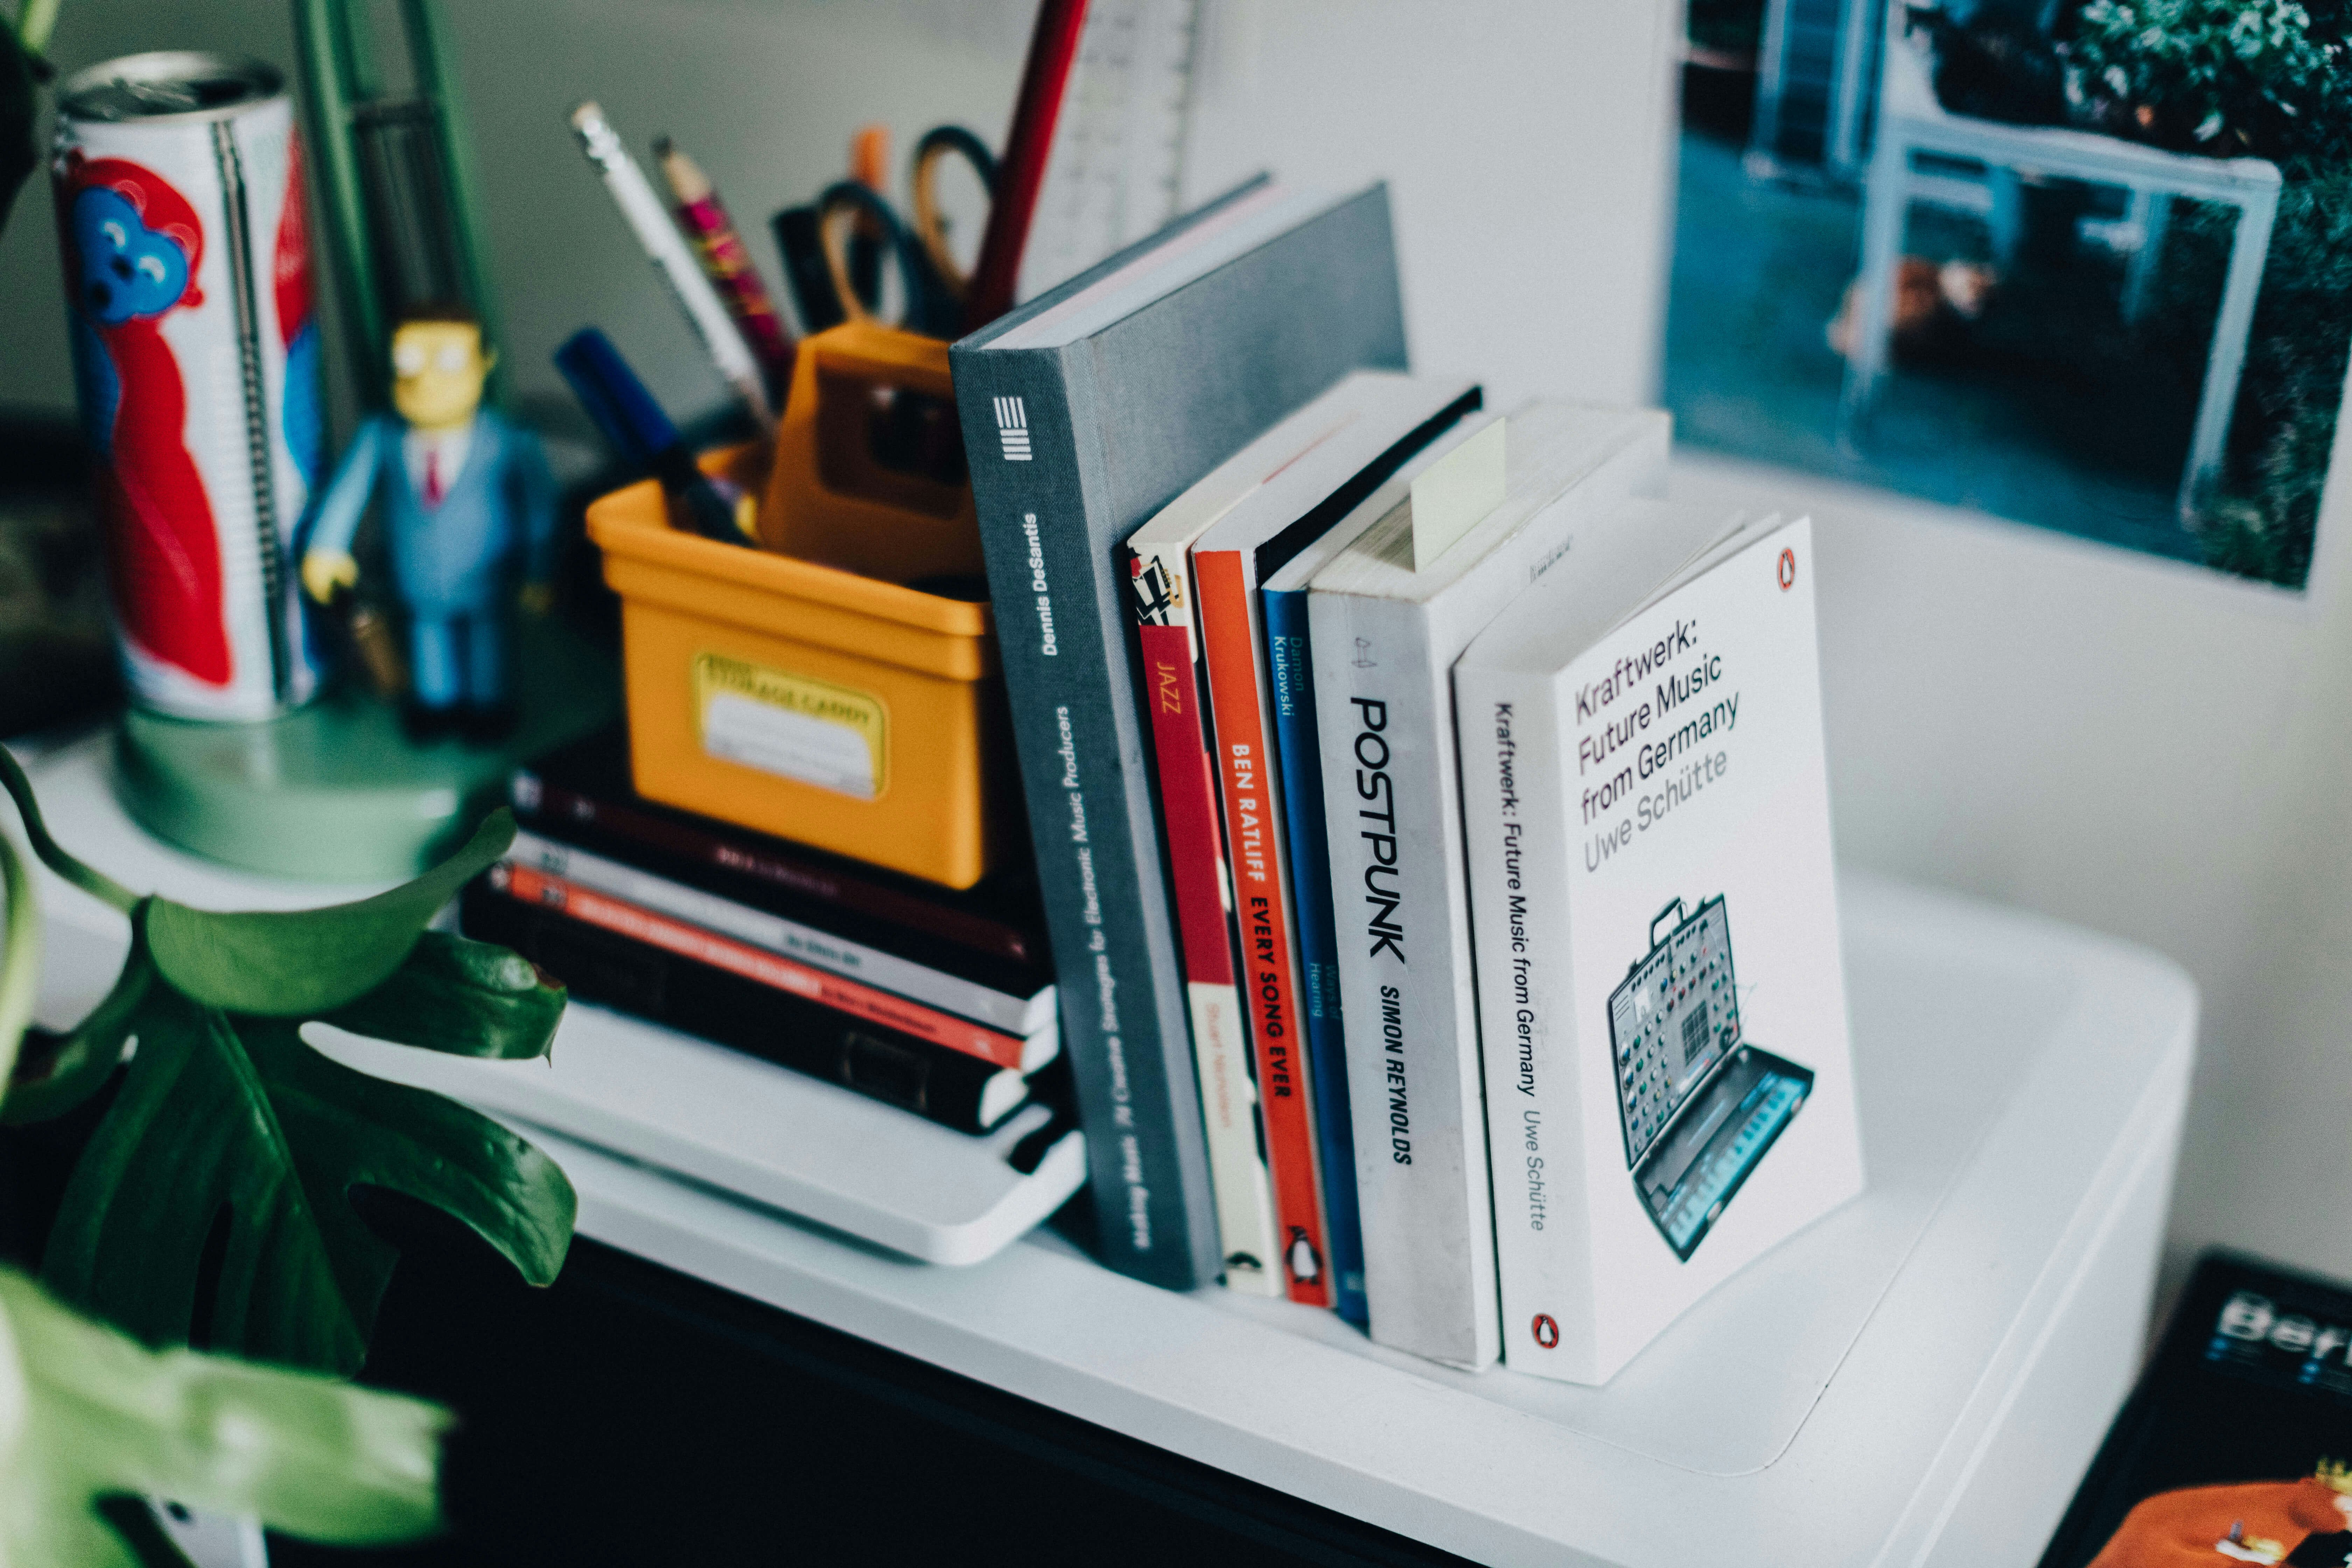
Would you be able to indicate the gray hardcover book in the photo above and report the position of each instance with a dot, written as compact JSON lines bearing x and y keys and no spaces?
{"x":1084,"y":413}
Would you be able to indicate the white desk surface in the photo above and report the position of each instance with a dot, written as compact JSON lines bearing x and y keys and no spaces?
{"x":2018,"y":1078}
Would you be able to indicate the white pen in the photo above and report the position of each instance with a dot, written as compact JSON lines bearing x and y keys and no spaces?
{"x":673,"y":261}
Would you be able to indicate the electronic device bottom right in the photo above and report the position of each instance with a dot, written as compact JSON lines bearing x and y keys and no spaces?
{"x":2237,"y":1444}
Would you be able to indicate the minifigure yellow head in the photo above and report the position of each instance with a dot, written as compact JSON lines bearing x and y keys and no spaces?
{"x":438,"y":365}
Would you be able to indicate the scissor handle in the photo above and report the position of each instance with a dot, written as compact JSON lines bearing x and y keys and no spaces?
{"x":844,"y":202}
{"x":930,"y":228}
{"x":1675,"y":908}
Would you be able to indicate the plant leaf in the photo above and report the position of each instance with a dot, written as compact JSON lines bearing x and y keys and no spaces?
{"x":350,"y":1130}
{"x":228,"y":1121}
{"x":299,"y":964}
{"x":466,"y":998}
{"x":20,"y":957}
{"x":89,"y":879}
{"x":236,"y":1113}
{"x":98,"y":1417}
{"x":57,"y":1072}
{"x":192,"y":1132}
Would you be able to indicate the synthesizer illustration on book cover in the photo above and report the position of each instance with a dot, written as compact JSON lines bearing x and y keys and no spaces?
{"x":1700,"y":1106}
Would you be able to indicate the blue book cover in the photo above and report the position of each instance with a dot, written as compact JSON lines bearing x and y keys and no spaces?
{"x":1298,"y":757}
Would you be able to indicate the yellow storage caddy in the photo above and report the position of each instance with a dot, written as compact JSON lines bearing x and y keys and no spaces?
{"x":869,"y":473}
{"x":801,"y":699}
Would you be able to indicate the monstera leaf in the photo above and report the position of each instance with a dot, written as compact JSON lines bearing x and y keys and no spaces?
{"x":227,"y":1119}
{"x":296,"y":963}
{"x":90,"y":1420}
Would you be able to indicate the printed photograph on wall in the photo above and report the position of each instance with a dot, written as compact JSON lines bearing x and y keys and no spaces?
{"x":2083,"y":264}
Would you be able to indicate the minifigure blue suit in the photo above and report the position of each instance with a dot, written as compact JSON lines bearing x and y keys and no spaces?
{"x":470,"y":517}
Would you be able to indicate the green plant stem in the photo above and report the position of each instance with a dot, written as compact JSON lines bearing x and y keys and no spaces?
{"x":87,"y":878}
{"x":20,"y":957}
{"x":34,"y":24}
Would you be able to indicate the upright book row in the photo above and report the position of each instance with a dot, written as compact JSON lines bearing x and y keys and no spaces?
{"x":1395,"y":770}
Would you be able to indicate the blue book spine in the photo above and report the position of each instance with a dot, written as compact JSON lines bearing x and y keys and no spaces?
{"x":1299,"y":757}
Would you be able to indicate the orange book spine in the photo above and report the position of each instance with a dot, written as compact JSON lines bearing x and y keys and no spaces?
{"x":641,"y":925}
{"x":1246,"y":781}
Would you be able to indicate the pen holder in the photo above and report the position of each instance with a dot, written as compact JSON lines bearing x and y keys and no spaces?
{"x":869,"y":474}
{"x":861,"y":716}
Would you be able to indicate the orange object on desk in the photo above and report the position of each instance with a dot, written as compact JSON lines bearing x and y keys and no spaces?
{"x":869,"y":473}
{"x":806,"y":700}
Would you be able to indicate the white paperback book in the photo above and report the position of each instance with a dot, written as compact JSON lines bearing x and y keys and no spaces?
{"x":1386,"y":630}
{"x":1669,"y":1084}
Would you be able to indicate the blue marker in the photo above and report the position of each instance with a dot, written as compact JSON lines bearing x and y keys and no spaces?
{"x":640,"y":433}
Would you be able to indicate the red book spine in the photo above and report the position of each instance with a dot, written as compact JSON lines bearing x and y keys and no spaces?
{"x":1173,"y":699}
{"x":859,"y":1001}
{"x":1188,"y":804}
{"x":1269,"y":965}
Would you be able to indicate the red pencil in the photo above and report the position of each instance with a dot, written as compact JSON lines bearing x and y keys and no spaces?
{"x":1052,"y":50}
{"x":729,"y":266}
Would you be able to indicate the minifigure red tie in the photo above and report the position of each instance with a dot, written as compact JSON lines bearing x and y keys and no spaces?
{"x":432,"y":477}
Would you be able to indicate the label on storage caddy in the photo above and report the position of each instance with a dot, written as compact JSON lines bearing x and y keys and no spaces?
{"x":794,"y":726}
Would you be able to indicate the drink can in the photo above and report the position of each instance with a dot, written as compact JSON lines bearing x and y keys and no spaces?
{"x":187,"y":262}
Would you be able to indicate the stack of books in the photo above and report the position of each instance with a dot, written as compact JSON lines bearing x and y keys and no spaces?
{"x":1431,"y":827}
{"x":1400,"y":774}
{"x":940,"y":1002}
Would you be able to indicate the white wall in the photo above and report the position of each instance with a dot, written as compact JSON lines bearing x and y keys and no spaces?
{"x":1526,"y":146}
{"x":2133,"y":745}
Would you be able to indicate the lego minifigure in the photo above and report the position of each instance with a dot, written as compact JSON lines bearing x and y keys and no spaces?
{"x":470,"y":517}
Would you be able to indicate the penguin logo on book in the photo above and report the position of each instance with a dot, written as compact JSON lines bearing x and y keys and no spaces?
{"x":1546,"y":1332}
{"x":1787,"y":570}
{"x":1012,"y":428}
{"x":1305,"y":1267}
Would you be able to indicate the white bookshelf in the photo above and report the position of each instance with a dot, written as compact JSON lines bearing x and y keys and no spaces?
{"x":1920,"y":1379}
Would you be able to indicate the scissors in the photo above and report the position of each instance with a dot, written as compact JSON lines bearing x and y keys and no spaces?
{"x":934,"y":282}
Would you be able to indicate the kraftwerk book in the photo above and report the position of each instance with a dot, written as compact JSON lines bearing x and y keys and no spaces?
{"x":1662,"y":1010}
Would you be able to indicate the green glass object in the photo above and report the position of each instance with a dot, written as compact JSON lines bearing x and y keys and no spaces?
{"x":334,"y":792}
{"x":395,"y":171}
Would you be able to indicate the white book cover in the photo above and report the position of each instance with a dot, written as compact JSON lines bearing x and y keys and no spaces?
{"x":1670,"y":1085}
{"x":1385,"y":636}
